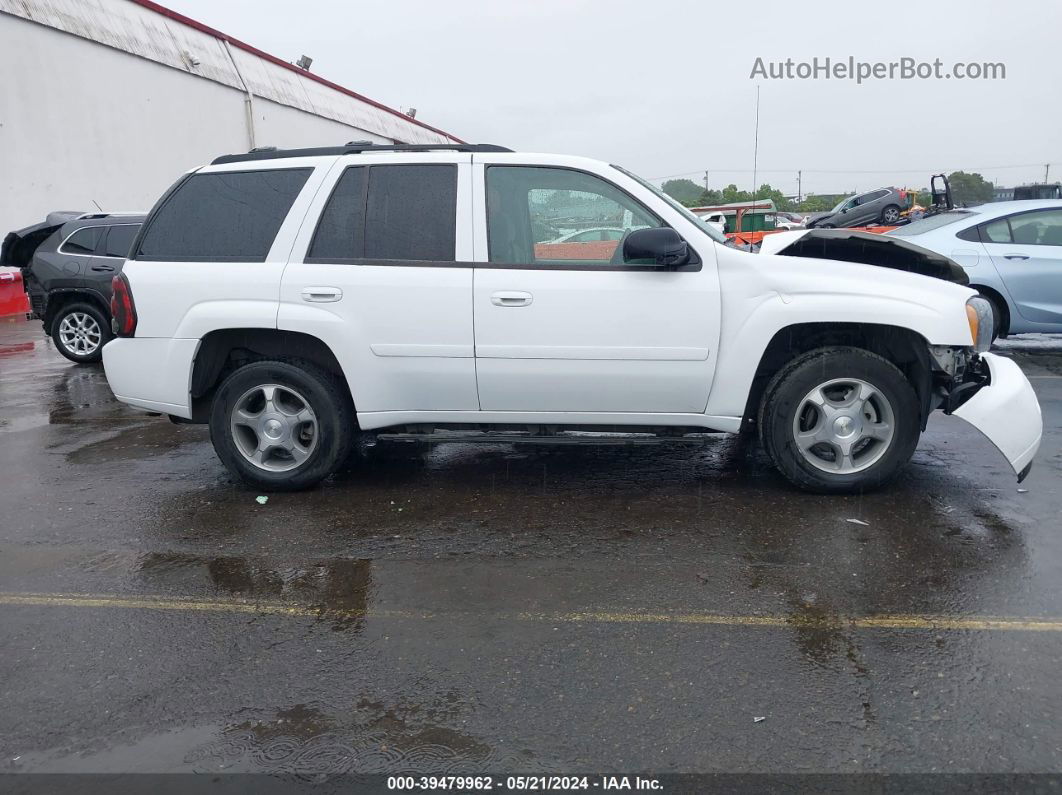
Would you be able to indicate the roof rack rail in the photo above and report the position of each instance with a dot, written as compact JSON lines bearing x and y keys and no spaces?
{"x":352,"y":148}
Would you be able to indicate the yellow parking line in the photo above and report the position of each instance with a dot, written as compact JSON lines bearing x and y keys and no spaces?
{"x":917,"y":622}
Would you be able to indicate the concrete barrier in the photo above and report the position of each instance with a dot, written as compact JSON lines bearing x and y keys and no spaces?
{"x":13,"y":298}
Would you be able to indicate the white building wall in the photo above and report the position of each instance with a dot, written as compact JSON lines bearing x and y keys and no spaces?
{"x":106,"y":102}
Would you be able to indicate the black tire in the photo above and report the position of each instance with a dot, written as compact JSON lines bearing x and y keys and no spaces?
{"x":785,"y":394}
{"x":890,"y":214}
{"x":325,"y":394}
{"x":81,"y":309}
{"x":824,"y":226}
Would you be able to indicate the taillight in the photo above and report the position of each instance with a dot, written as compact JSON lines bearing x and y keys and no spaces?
{"x":123,"y":310}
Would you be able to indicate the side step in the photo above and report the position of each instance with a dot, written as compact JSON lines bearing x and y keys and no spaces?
{"x":564,"y":437}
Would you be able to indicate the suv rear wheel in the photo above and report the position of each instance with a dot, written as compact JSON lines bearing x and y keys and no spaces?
{"x":80,"y":330}
{"x":839,"y":420}
{"x":281,"y":426}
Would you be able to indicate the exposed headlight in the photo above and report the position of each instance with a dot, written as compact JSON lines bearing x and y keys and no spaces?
{"x":979,"y":313}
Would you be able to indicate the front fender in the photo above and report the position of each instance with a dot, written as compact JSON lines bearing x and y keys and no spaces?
{"x":765,"y":294}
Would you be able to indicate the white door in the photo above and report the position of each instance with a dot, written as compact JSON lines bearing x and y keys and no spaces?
{"x":384,"y":278}
{"x":1026,"y":249}
{"x":562,"y":324}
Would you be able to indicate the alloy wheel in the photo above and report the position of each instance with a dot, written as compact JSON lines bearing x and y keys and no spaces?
{"x":274,"y":427}
{"x":843,"y":426}
{"x":80,"y":333}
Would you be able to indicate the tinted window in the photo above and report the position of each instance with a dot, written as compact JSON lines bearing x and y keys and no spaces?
{"x":83,"y":241}
{"x":400,"y":212}
{"x":411,"y":212}
{"x":538,"y":215}
{"x":341,"y":230}
{"x":120,"y":240}
{"x":230,"y":216}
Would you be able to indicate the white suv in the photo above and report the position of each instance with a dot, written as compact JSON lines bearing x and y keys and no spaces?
{"x":299,"y":300}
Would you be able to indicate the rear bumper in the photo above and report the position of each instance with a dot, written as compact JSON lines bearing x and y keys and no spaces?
{"x":1007,"y":412}
{"x":152,"y":373}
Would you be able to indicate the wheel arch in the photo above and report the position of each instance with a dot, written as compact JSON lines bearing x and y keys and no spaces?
{"x":998,"y":299}
{"x":905,"y":348}
{"x":60,"y":298}
{"x":224,"y":350}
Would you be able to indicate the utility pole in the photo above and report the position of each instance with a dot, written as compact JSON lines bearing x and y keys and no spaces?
{"x":756,"y":145}
{"x":706,"y":181}
{"x":1047,"y":170}
{"x":799,"y":199}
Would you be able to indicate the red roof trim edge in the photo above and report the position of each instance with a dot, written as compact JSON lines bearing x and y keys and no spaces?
{"x":167,"y":12}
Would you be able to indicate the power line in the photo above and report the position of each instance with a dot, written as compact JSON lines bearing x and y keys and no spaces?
{"x":849,"y":171}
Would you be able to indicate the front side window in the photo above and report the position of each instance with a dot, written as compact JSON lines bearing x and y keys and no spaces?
{"x":389,"y":212}
{"x":230,"y":216}
{"x":83,"y":241}
{"x":554,"y":216}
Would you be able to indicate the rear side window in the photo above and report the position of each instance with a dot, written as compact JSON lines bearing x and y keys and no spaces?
{"x":83,"y":241}
{"x":120,"y":240}
{"x":385,"y":212}
{"x":227,"y":216}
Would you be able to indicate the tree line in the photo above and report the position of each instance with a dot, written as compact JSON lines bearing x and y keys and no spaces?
{"x":966,"y":188}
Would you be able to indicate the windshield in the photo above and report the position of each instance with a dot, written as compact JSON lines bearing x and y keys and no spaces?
{"x":711,"y":231}
{"x":930,"y":223}
{"x":840,"y":204}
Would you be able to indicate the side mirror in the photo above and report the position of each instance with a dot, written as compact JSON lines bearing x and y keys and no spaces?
{"x":662,"y":247}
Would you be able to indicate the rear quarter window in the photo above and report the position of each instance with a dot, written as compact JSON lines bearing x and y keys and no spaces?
{"x":229,"y":216}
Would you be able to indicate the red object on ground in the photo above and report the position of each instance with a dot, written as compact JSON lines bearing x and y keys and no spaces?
{"x":13,"y":298}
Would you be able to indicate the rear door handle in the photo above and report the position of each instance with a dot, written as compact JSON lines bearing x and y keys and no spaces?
{"x":511,"y":298}
{"x":321,"y":295}
{"x":1015,"y":256}
{"x":103,"y":268}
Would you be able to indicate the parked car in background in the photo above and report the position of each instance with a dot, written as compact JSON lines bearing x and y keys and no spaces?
{"x":881,"y":206}
{"x":300,"y":302}
{"x":591,"y":235}
{"x":67,"y":264}
{"x":717,"y":221}
{"x":1012,"y":253}
{"x":789,"y":221}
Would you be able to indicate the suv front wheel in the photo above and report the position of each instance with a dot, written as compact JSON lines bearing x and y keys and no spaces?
{"x":80,"y":330}
{"x":281,"y":426}
{"x":839,"y":420}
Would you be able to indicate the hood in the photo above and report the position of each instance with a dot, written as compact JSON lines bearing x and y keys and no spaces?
{"x":850,"y":245}
{"x":18,"y":246}
{"x":813,"y":217}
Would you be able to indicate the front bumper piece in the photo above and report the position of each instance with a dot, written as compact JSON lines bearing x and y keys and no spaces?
{"x":1007,"y":412}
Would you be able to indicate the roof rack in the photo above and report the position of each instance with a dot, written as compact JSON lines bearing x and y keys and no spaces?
{"x":108,"y":214}
{"x":352,"y":148}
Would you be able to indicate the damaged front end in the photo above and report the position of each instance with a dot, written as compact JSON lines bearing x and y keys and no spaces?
{"x":991,"y":393}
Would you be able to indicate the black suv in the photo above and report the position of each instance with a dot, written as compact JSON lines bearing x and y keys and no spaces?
{"x":67,"y":264}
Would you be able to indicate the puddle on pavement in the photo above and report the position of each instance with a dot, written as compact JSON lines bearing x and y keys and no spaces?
{"x":369,"y":736}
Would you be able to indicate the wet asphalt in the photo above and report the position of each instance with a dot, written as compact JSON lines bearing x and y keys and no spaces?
{"x":500,"y":608}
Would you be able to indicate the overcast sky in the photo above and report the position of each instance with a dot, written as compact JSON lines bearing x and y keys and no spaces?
{"x":663,"y":88}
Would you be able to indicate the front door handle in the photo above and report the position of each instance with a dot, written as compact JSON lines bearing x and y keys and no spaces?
{"x":103,"y":268}
{"x":511,"y":298}
{"x":1015,"y":256}
{"x":321,"y":295}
